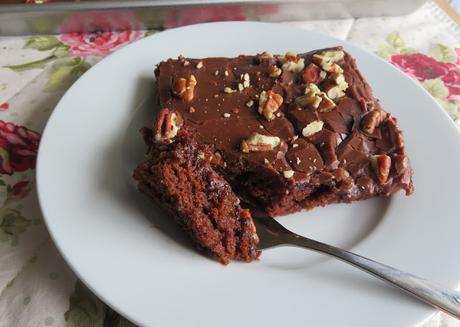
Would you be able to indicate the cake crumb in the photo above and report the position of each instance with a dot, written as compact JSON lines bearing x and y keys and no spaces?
{"x":199,"y":65}
{"x":226,"y":115}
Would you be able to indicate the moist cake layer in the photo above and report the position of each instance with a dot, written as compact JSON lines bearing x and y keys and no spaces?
{"x":182,"y":180}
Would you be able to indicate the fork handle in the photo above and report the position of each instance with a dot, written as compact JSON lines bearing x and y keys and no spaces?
{"x":441,"y":298}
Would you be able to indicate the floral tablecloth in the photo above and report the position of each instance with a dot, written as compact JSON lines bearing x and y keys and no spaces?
{"x":36,"y":286}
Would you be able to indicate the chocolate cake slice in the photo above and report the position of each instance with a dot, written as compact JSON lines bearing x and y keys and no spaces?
{"x":180,"y":177}
{"x":286,"y":132}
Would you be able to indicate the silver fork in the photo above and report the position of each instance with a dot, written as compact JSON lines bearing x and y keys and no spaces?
{"x":272,"y":234}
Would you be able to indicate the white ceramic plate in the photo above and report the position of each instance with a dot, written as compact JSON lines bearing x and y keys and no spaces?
{"x":137,"y":261}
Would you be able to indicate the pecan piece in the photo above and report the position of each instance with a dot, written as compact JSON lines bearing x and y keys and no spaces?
{"x":179,"y":87}
{"x":305,"y":100}
{"x":381,"y":164}
{"x":313,"y":128}
{"x":269,"y":103}
{"x":259,"y":142}
{"x":372,"y":120}
{"x":311,"y":74}
{"x":329,"y":56}
{"x":326,"y":103}
{"x":334,"y":91}
{"x":336,"y":86}
{"x":328,"y":59}
{"x":167,"y":126}
{"x":312,"y":96}
{"x":292,"y":62}
{"x":274,"y":71}
{"x":184,"y":88}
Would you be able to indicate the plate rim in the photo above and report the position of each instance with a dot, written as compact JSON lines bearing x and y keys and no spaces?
{"x":120,"y":52}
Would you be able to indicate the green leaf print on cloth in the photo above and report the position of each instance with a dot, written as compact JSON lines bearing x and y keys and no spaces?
{"x":65,"y":69}
{"x":394,"y":45}
{"x":438,"y":70}
{"x":42,"y":43}
{"x":436,"y":88}
{"x":12,"y":224}
{"x":64,"y":72}
{"x":442,"y":53}
{"x":85,"y":309}
{"x":37,"y":64}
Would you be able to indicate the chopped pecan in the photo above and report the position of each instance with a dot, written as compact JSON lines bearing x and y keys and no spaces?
{"x":326,"y":103}
{"x":274,"y":71}
{"x":312,"y":89}
{"x":264,"y":57}
{"x":322,"y":75}
{"x":291,"y":56}
{"x":372,"y":120}
{"x":167,"y":126}
{"x":311,"y":97}
{"x":334,"y":91}
{"x":294,"y":66}
{"x":381,"y":164}
{"x":338,"y":79}
{"x":333,"y":68}
{"x":259,"y":142}
{"x":292,"y":62}
{"x":179,"y":87}
{"x":305,"y":100}
{"x":337,"y":86}
{"x":328,"y":60}
{"x":269,"y":103}
{"x":184,"y":88}
{"x":190,"y":90}
{"x":328,"y":57}
{"x":311,"y":74}
{"x":312,"y":128}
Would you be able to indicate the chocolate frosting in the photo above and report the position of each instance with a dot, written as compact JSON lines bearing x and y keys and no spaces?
{"x":222,"y":119}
